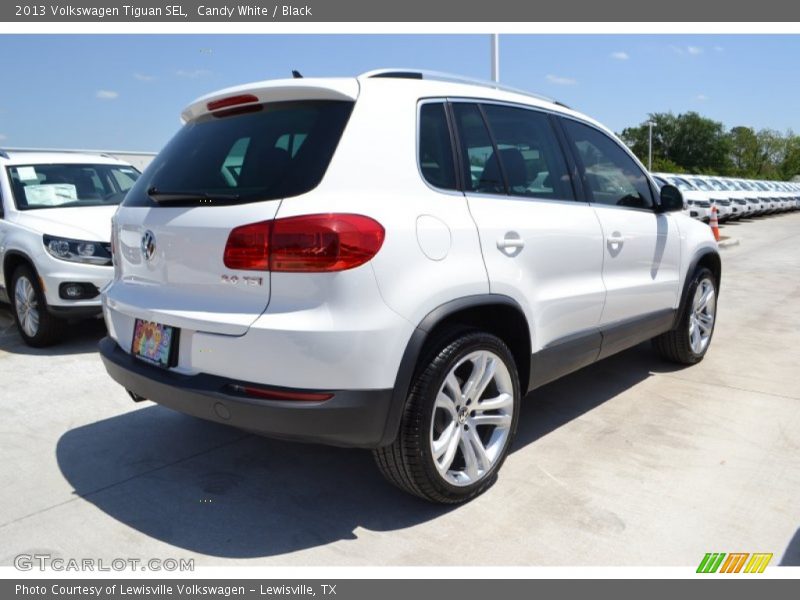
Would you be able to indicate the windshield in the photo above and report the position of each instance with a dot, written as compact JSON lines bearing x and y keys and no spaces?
{"x":702,"y":185}
{"x":266,"y":152}
{"x":717,"y":185}
{"x":62,"y":185}
{"x":683,"y":185}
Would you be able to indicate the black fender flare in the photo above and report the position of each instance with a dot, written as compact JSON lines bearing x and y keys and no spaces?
{"x":416,"y":344}
{"x":699,"y":255}
{"x":7,"y":255}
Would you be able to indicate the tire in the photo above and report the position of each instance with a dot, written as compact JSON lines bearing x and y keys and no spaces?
{"x":37,"y":327}
{"x":689,"y":341}
{"x":436,"y":455}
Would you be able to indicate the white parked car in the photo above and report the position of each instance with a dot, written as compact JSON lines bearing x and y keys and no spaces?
{"x":55,"y":234}
{"x":392,"y":262}
{"x":753,"y":196}
{"x":698,"y":205}
{"x":738,"y":197}
{"x":716,"y":197}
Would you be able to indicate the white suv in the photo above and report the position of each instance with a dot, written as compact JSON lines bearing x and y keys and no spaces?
{"x":392,"y":262}
{"x":55,"y":230}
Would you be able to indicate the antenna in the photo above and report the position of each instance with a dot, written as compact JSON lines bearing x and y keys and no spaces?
{"x":296,"y":74}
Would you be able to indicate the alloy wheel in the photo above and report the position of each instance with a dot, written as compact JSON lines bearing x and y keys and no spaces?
{"x":472,"y":418}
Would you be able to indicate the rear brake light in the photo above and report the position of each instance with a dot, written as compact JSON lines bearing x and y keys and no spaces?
{"x":305,"y":244}
{"x":231,"y":101}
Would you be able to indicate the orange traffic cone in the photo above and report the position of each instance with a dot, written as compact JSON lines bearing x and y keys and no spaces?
{"x":714,"y":222}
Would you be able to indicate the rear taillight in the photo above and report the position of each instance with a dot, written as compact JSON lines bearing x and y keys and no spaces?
{"x":248,"y":247}
{"x":305,"y":244}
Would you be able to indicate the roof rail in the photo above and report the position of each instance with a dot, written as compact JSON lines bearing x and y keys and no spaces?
{"x":439,"y":76}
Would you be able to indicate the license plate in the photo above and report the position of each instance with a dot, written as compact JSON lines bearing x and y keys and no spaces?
{"x":155,"y":343}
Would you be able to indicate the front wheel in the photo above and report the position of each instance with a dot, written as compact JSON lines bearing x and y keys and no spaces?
{"x":459,"y":420}
{"x":36,"y":326}
{"x":688,"y":342}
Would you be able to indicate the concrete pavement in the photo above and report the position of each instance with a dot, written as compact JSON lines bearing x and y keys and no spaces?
{"x":631,"y":461}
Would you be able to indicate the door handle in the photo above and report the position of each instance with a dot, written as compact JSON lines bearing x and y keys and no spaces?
{"x":511,"y":244}
{"x":615,"y":242}
{"x":616,"y":238}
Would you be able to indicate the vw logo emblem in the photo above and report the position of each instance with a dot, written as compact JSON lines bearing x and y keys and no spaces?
{"x":148,"y":245}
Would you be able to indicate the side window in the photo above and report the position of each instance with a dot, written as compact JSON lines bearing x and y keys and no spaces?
{"x":609,"y":174}
{"x":532,"y":160}
{"x":482,"y":170}
{"x":435,"y":148}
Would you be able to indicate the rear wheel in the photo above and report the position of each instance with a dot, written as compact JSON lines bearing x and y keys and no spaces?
{"x":36,"y":326}
{"x":459,"y":420}
{"x":688,"y":343}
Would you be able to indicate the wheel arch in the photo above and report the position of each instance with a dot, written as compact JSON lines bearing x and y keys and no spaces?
{"x":708,"y":258}
{"x":494,"y":313}
{"x":12,"y":260}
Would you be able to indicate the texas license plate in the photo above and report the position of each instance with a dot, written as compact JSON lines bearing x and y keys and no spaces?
{"x":155,"y":343}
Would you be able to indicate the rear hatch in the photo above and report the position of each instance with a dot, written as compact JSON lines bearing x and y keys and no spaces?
{"x":241,"y":152}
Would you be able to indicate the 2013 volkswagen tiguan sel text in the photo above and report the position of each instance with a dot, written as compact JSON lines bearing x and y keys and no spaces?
{"x":392,"y":262}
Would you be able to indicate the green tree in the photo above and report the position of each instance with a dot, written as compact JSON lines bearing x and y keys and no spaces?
{"x":694,"y":143}
{"x":744,"y":151}
{"x":790,"y":165}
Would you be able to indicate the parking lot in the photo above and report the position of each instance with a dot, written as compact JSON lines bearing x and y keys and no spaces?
{"x":629,"y":462}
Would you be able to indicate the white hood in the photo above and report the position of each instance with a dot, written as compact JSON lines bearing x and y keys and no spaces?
{"x":89,"y":223}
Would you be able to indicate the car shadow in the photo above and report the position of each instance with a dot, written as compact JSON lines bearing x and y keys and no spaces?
{"x":791,"y":556}
{"x":80,"y":337}
{"x":214,"y":490}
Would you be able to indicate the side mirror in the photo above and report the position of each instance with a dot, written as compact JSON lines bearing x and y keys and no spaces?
{"x":671,"y":199}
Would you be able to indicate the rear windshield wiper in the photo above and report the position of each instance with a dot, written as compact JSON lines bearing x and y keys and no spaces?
{"x":168,"y":196}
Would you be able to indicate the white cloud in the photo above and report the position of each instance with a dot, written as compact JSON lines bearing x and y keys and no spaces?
{"x":3,"y":136}
{"x":719,"y":49}
{"x":192,"y":73}
{"x":107,"y":95}
{"x":561,"y":80}
{"x":620,"y":55}
{"x":701,"y":97}
{"x":693,"y":50}
{"x":143,"y":77}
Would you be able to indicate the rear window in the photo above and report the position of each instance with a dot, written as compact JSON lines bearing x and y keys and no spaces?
{"x":56,"y":185}
{"x":266,"y":152}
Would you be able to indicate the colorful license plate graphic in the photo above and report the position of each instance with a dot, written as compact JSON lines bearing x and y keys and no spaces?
{"x":152,"y":342}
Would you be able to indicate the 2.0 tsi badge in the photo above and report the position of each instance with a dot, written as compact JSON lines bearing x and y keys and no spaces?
{"x":148,"y":245}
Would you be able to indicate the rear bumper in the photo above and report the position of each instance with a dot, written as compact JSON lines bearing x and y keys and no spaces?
{"x":350,"y":418}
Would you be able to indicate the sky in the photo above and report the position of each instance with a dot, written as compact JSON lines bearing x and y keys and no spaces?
{"x":126,"y":92}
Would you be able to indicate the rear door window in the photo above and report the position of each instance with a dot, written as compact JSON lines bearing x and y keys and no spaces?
{"x":531,"y":157}
{"x":266,"y":152}
{"x":481,"y":168}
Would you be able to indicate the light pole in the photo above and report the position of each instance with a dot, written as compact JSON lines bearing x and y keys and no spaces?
{"x":650,"y":146}
{"x":495,"y":57}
